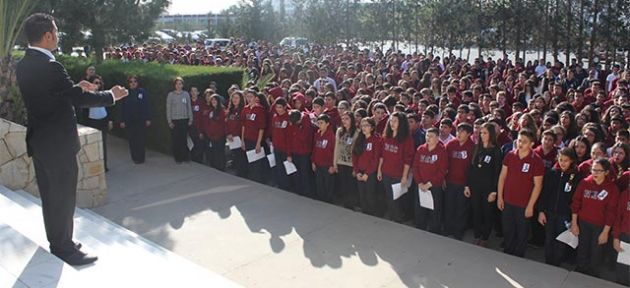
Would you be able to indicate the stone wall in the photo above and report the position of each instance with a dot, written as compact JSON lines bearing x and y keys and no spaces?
{"x":17,"y":172}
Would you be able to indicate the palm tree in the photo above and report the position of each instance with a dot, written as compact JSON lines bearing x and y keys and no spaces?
{"x":12,"y":14}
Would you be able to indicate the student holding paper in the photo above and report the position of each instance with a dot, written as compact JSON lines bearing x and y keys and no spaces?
{"x":594,"y":208}
{"x":559,"y":185}
{"x":254,"y":125}
{"x":280,"y":141}
{"x":395,"y":162}
{"x":456,"y":197}
{"x":621,"y":232}
{"x":519,"y":186}
{"x":344,"y":138}
{"x":300,"y":147}
{"x":481,"y":183}
{"x":366,"y":152}
{"x":429,"y":170}
{"x":234,"y":127}
{"x":214,"y":129}
{"x":322,"y":159}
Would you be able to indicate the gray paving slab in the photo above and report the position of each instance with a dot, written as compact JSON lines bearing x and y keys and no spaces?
{"x":259,"y":236}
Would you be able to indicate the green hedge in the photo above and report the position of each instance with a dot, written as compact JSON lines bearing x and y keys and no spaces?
{"x":157,"y":80}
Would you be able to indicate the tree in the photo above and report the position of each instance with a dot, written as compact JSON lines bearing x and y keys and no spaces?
{"x":110,"y":21}
{"x":12,"y":14}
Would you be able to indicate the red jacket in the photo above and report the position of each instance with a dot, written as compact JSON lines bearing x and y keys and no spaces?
{"x":335,"y":118}
{"x":234,"y":123}
{"x":596,"y":204}
{"x":367,"y":162}
{"x":254,"y":120}
{"x":396,"y":155}
{"x":324,"y":148}
{"x":430,"y":166}
{"x":280,"y":132}
{"x":197,"y":108}
{"x":214,"y":127}
{"x":548,"y":159}
{"x":622,"y":222}
{"x":459,"y":159}
{"x":381,"y":125}
{"x":301,"y":137}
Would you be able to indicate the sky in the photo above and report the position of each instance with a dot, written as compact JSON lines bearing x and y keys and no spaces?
{"x":199,"y":6}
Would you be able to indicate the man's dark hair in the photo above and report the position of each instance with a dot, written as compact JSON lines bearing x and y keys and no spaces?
{"x":36,"y":25}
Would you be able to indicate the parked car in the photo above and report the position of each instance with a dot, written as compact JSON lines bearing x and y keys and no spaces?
{"x":221,"y":43}
{"x":294,"y":42}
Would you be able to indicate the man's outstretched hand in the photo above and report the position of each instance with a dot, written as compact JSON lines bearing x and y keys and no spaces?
{"x":119,"y":92}
{"x":87,"y":86}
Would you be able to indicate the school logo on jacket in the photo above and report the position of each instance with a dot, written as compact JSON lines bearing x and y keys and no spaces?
{"x":211,"y":114}
{"x":460,"y":155}
{"x":525,"y":168}
{"x":602,"y":195}
{"x":595,"y":195}
{"x":391,"y":148}
{"x":251,"y":116}
{"x":321,"y":144}
{"x":368,"y":147}
{"x":140,"y":96}
{"x":429,"y":159}
{"x":281,"y":124}
{"x":196,"y":108}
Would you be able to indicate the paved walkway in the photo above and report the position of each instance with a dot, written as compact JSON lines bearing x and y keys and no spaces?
{"x":259,"y":236}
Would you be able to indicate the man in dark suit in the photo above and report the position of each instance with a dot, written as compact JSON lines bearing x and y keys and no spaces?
{"x":52,"y":139}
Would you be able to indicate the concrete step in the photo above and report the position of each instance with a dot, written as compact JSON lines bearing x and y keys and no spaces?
{"x":125,"y":258}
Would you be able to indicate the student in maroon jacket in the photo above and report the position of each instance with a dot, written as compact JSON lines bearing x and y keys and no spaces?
{"x":197,"y":152}
{"x":330,"y":109}
{"x":380,"y":116}
{"x":254,"y":125}
{"x":429,"y":170}
{"x":594,"y":208}
{"x":280,"y":141}
{"x":366,"y":153}
{"x":234,"y":127}
{"x":300,"y":148}
{"x":214,"y":130}
{"x":395,"y":162}
{"x":456,"y":204}
{"x":621,"y":232}
{"x":519,"y":186}
{"x":322,"y":159}
{"x":546,"y":150}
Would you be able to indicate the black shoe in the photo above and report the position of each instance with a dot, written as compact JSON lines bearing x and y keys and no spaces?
{"x":77,"y":258}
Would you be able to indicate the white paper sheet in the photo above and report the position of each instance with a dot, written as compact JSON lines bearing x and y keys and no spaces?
{"x":235,"y":144}
{"x":398,"y":190}
{"x":624,"y":257}
{"x":568,"y":238}
{"x":272,"y":160}
{"x":426,"y":199}
{"x":189,"y":143}
{"x":290,"y":167}
{"x":252,"y":156}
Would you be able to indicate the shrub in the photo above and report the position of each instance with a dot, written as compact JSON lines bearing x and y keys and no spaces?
{"x":157,"y":80}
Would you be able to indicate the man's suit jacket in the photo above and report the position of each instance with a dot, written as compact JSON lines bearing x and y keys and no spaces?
{"x":49,"y":95}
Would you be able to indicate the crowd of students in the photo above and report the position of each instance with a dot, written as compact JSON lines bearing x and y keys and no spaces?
{"x":529,"y":151}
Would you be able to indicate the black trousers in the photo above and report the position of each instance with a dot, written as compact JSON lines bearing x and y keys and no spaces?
{"x":427,"y":219}
{"x":216,"y":153}
{"x":254,"y":169}
{"x":302,"y":180}
{"x":346,"y":188}
{"x":102,"y":125}
{"x":394,"y":210}
{"x":137,"y":136}
{"x":515,"y":230}
{"x":368,"y":196}
{"x":482,"y":212}
{"x":199,"y":145}
{"x":555,"y":251}
{"x":456,"y":207}
{"x":239,"y":159}
{"x":324,"y":184}
{"x":280,"y":173}
{"x":623,"y":271}
{"x":179,"y":135}
{"x":56,"y":175}
{"x":589,"y":252}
